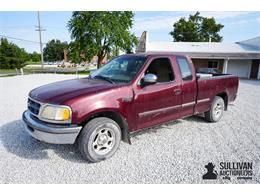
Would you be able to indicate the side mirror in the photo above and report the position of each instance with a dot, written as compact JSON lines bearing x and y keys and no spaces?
{"x":149,"y":79}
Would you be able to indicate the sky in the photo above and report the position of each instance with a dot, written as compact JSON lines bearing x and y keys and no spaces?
{"x":238,"y":26}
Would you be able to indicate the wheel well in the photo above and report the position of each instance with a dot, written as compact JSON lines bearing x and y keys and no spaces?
{"x":117,"y":118}
{"x":224,"y":96}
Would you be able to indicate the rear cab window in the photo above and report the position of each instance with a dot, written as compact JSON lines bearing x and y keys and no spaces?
{"x":184,"y":67}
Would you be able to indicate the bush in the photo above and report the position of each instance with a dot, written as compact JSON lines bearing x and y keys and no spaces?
{"x":54,"y":50}
{"x":11,"y":56}
{"x":35,"y":57}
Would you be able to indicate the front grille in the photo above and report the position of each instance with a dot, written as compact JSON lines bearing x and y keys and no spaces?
{"x":33,"y":106}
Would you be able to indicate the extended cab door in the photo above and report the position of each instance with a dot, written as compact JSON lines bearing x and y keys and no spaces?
{"x":188,"y":85}
{"x":159,"y":102}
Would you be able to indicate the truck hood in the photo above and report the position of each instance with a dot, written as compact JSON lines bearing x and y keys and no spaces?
{"x":59,"y":92}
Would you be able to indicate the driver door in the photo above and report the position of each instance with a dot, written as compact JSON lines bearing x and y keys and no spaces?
{"x":159,"y":102}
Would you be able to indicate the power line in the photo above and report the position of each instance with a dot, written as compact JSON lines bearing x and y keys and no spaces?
{"x":17,"y":27}
{"x":20,"y":39}
{"x":32,"y":26}
{"x":56,"y":27}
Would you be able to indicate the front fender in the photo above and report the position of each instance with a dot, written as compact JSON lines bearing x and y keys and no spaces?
{"x":114,"y":115}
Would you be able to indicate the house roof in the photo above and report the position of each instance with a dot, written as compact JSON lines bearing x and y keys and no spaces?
{"x":252,"y":43}
{"x":244,"y":49}
{"x":204,"y":50}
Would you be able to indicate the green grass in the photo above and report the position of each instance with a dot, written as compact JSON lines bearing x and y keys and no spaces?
{"x":30,"y":66}
{"x":38,"y":69}
{"x":7,"y":70}
{"x":8,"y":75}
{"x":31,"y":70}
{"x":24,"y":68}
{"x":32,"y":63}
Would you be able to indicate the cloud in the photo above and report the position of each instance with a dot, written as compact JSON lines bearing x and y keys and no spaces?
{"x":258,"y":20}
{"x":240,"y":22}
{"x":155,"y":23}
{"x":164,"y":22}
{"x":223,"y":15}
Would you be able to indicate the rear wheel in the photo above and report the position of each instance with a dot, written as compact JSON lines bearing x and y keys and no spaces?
{"x":216,"y":110}
{"x":99,"y":139}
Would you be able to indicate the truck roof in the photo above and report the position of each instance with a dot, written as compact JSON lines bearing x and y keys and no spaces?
{"x":146,"y":54}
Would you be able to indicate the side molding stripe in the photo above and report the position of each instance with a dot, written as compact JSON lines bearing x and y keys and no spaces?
{"x":203,"y":100}
{"x":188,"y":104}
{"x":158,"y":111}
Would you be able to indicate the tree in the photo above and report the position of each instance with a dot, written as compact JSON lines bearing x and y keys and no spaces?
{"x":54,"y":50}
{"x":11,"y":56}
{"x":98,"y":33}
{"x":114,"y":52}
{"x":35,"y":57}
{"x":196,"y":29}
{"x":74,"y":52}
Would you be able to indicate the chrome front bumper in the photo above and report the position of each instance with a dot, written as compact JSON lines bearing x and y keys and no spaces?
{"x":50,"y":133}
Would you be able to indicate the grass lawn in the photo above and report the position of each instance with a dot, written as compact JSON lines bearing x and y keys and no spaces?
{"x":30,"y":69}
{"x":7,"y":70}
{"x":33,"y":63}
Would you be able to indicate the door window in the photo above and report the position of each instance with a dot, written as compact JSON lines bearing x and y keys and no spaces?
{"x":162,"y":68}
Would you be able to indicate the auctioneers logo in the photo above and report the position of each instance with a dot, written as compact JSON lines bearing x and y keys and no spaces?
{"x":227,"y":170}
{"x":211,"y":173}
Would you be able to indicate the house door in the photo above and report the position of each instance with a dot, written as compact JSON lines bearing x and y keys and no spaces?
{"x":254,"y":69}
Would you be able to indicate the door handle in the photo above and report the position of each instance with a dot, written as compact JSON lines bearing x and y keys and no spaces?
{"x":177,"y":91}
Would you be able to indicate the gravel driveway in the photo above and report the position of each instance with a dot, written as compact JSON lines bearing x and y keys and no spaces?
{"x":172,"y":153}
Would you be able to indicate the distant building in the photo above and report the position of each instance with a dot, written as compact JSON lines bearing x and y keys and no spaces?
{"x":94,"y":59}
{"x":240,"y":58}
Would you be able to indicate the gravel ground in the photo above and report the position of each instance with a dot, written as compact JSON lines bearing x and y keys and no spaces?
{"x":172,"y":153}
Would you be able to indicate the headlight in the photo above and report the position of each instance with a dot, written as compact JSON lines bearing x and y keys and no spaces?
{"x":56,"y":113}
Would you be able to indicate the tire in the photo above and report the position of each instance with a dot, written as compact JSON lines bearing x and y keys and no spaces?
{"x":216,"y":110}
{"x":99,"y":139}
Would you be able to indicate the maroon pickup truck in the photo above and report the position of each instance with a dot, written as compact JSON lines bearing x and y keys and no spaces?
{"x":128,"y":94}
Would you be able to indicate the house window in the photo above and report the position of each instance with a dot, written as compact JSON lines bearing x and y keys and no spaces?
{"x":213,"y":64}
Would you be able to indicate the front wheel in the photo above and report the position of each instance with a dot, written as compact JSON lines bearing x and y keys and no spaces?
{"x":216,"y":110}
{"x":99,"y":139}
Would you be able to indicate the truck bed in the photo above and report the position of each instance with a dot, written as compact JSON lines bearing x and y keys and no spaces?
{"x":210,"y":75}
{"x":209,"y":85}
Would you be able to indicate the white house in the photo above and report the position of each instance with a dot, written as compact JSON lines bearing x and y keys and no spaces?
{"x":240,"y":58}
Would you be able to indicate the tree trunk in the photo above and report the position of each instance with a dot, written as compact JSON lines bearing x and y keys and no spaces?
{"x":101,"y":57}
{"x":99,"y":62}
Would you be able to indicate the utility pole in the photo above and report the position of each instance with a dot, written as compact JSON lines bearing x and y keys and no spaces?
{"x":40,"y":29}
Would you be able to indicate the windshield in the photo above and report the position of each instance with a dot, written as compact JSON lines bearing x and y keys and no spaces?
{"x":121,"y":69}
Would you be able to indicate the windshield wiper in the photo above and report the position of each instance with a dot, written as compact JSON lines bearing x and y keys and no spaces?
{"x":104,"y":78}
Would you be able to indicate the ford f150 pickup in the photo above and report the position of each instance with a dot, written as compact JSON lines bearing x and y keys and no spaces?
{"x":130,"y":93}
